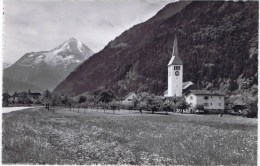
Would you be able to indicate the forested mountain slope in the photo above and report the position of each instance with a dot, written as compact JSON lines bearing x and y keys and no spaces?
{"x":217,"y":43}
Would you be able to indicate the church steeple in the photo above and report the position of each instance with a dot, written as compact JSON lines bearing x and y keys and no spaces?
{"x":175,"y":60}
{"x":175,"y":73}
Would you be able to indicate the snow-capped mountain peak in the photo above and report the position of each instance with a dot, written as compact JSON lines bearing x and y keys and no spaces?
{"x":70,"y":52}
{"x":72,"y":44}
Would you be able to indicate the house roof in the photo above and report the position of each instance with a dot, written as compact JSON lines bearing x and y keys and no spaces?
{"x":205,"y":92}
{"x":129,"y":94}
{"x":185,"y":85}
{"x":175,"y":60}
{"x":35,"y":94}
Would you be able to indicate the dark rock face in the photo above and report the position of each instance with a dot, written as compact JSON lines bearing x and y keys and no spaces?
{"x":45,"y":69}
{"x":217,"y":44}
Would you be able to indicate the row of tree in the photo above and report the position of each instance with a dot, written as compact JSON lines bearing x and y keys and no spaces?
{"x":106,"y":99}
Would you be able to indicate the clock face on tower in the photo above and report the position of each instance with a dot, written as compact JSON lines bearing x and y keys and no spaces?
{"x":177,"y":73}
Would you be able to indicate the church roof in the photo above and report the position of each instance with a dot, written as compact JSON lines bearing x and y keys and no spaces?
{"x":175,"y":60}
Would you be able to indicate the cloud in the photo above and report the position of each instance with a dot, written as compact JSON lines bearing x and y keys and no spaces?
{"x":42,"y":25}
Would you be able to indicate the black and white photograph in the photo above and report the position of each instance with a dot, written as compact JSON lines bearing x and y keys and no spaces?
{"x":129,"y":82}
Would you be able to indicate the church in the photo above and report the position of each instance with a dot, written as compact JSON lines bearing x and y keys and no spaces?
{"x":211,"y":100}
{"x":175,"y":73}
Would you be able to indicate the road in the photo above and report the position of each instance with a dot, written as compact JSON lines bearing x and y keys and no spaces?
{"x":12,"y":109}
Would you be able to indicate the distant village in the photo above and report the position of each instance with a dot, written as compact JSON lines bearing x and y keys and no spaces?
{"x":21,"y":98}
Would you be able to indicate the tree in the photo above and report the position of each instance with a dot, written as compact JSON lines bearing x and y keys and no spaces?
{"x":47,"y":98}
{"x":157,"y":104}
{"x":113,"y":105}
{"x":154,"y":103}
{"x":6,"y":97}
{"x":167,"y":107}
{"x":23,"y":96}
{"x":132,"y":105}
{"x":56,"y":100}
{"x":65,"y":100}
{"x":141,"y":101}
{"x":199,"y":107}
{"x":82,"y":99}
{"x":106,"y":96}
{"x":251,"y":110}
{"x":145,"y":101}
{"x":182,"y":104}
{"x":142,"y":105}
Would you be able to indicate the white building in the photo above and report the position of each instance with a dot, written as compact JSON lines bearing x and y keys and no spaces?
{"x":128,"y":98}
{"x":212,"y":100}
{"x":175,"y":73}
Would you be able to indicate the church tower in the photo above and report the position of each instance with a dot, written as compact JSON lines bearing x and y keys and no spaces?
{"x":175,"y":73}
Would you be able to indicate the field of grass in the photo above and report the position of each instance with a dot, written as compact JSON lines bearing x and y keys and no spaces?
{"x":37,"y":136}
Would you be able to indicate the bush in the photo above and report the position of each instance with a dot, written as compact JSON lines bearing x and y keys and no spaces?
{"x":82,"y":99}
{"x":249,"y":113}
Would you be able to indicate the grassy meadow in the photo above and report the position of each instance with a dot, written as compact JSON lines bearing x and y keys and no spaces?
{"x":38,"y":136}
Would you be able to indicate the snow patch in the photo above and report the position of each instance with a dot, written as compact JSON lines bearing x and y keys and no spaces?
{"x":39,"y":59}
{"x":79,"y":45}
{"x":62,"y":48}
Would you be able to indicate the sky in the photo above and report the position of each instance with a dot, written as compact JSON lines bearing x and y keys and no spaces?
{"x":37,"y":25}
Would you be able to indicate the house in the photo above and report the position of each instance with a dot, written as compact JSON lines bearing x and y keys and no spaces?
{"x":128,"y":98}
{"x":34,"y":96}
{"x":25,"y":97}
{"x":213,"y":101}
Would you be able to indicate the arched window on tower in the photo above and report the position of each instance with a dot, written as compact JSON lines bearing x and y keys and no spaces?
{"x":177,"y":68}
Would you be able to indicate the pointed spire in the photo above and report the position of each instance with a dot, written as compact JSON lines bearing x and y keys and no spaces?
{"x":175,"y":60}
{"x":175,"y":51}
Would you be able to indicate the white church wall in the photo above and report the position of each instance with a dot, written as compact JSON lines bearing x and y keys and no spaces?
{"x":175,"y":80}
